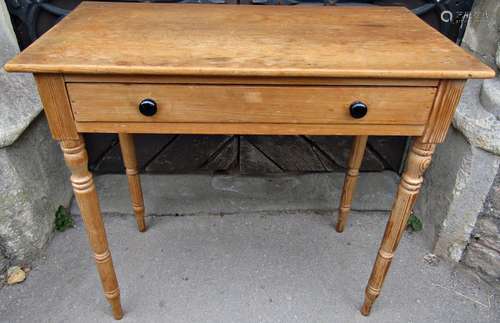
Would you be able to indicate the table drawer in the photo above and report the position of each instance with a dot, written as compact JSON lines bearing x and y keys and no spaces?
{"x":117,"y":102}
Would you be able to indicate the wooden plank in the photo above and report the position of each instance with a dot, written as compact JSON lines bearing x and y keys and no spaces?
{"x":289,"y":153}
{"x":252,"y":161}
{"x":284,"y":41}
{"x":147,"y":147}
{"x":251,"y":128}
{"x":388,"y":150}
{"x":225,"y":159}
{"x":162,"y":79}
{"x":97,"y":146}
{"x":315,"y":153}
{"x":52,"y":90}
{"x":188,"y":153}
{"x":337,"y":149}
{"x":249,"y":104}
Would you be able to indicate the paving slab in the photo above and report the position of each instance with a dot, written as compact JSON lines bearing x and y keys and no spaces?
{"x":254,"y":267}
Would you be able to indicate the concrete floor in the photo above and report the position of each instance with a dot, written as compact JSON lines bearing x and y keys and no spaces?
{"x":228,"y":194}
{"x":253,"y":267}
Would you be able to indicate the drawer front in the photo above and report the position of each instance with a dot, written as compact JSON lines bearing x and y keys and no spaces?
{"x":113,"y":102}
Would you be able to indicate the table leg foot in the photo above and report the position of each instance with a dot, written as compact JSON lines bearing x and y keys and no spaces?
{"x":134,"y":181}
{"x":76,"y":159}
{"x":351,"y":178}
{"x":418,"y":161}
{"x":367,"y":305}
{"x":116,"y":306}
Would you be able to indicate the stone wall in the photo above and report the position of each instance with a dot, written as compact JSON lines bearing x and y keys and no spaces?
{"x":460,"y":204}
{"x":481,"y":36}
{"x":34,"y":183}
{"x":456,"y":187}
{"x":34,"y":179}
{"x":483,"y":251}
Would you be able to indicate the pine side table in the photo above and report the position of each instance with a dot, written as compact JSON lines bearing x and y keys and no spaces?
{"x":200,"y":69}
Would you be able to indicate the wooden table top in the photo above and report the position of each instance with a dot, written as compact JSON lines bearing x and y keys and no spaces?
{"x":286,"y":41}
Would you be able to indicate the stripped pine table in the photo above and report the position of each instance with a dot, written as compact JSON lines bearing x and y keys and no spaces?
{"x":175,"y":69}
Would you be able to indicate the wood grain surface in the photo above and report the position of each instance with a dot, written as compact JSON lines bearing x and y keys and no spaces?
{"x":251,"y":128}
{"x":75,"y":156}
{"x":447,"y":98}
{"x":52,"y":90}
{"x":350,"y":181}
{"x":134,"y":182}
{"x":249,"y":104}
{"x":117,"y":38}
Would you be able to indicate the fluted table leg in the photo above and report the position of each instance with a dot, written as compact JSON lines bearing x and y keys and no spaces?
{"x":351,"y":178}
{"x":75,"y":156}
{"x":134,"y":181}
{"x":418,"y":160}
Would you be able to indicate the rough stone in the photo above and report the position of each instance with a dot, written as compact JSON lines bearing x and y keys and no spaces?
{"x":490,"y":96}
{"x":482,"y":36}
{"x":34,"y":179}
{"x":457,"y":200}
{"x":498,"y":56}
{"x":479,"y":126}
{"x":4,"y":263}
{"x":15,"y":275}
{"x":19,"y":101}
{"x":456,"y":187}
{"x":34,"y":183}
{"x":485,"y":260}
{"x":483,"y":253}
{"x":487,"y":231}
{"x":463,"y":195}
{"x":493,"y":205}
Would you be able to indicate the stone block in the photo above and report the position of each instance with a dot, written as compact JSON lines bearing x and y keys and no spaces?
{"x":482,"y":36}
{"x":498,"y":56}
{"x":456,"y":187}
{"x":490,"y":96}
{"x":475,"y":122}
{"x":494,"y":199}
{"x":484,"y":260}
{"x":483,"y":253}
{"x":477,"y":118}
{"x":34,"y":183}
{"x":4,"y":264}
{"x":19,"y":101}
{"x":34,"y":179}
{"x":487,"y":232}
{"x":461,"y":176}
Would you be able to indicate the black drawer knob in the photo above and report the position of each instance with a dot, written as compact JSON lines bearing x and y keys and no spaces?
{"x":148,"y":107}
{"x":358,"y":110}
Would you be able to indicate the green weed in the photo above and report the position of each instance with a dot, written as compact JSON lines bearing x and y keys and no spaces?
{"x":63,"y":219}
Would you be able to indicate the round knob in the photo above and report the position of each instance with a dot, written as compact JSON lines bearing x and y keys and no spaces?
{"x":148,"y":107}
{"x":358,"y":110}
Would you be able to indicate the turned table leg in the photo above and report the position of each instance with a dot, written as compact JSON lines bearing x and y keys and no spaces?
{"x":134,"y":181}
{"x":418,"y":160}
{"x":357,"y":152}
{"x":75,"y":156}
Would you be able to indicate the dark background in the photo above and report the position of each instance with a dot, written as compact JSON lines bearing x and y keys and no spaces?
{"x":233,"y":153}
